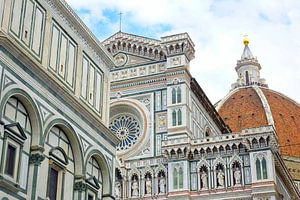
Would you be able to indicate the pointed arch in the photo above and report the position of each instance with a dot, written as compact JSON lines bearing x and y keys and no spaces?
{"x":178,"y":95}
{"x":179,"y":113}
{"x":174,"y":118}
{"x":173,"y":95}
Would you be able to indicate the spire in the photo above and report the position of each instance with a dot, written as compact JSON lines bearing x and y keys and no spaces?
{"x":248,"y":69}
{"x":247,"y":54}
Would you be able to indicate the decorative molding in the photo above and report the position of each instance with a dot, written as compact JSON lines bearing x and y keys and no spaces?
{"x":80,"y":186}
{"x":72,"y":20}
{"x":45,"y":112}
{"x":7,"y":81}
{"x":85,"y":144}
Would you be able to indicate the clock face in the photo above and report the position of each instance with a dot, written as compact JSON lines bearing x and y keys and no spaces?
{"x":120,"y":59}
{"x":127,"y":128}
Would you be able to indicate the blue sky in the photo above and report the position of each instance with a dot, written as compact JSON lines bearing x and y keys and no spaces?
{"x":217,"y":28}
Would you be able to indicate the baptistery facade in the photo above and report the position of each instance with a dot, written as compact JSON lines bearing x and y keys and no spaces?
{"x":54,"y":85}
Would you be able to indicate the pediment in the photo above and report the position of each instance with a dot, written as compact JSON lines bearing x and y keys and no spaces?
{"x":59,"y":154}
{"x":16,"y":130}
{"x":94,"y":182}
{"x":124,"y":59}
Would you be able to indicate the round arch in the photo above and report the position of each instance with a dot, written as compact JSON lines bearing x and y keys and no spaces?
{"x":31,"y":108}
{"x":106,"y":178}
{"x":74,"y":142}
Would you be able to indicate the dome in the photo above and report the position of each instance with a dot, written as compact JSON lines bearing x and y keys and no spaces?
{"x":254,"y":106}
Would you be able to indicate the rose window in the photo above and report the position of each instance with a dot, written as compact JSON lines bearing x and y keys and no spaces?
{"x":127,"y":128}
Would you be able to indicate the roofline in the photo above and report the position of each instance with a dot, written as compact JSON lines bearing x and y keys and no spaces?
{"x":84,"y":31}
{"x":201,"y":96}
{"x":130,"y":34}
{"x":283,"y":95}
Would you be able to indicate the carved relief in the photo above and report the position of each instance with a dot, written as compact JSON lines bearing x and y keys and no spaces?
{"x":161,"y":122}
{"x":176,"y":61}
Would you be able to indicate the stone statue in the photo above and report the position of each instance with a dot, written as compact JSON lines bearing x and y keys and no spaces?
{"x":220,"y":177}
{"x":162,"y":184}
{"x":204,"y":180}
{"x":135,"y":188}
{"x":118,"y":190}
{"x":237,"y":176}
{"x":148,"y":186}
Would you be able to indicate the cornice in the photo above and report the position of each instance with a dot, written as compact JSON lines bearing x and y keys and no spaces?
{"x":286,"y":176}
{"x":203,"y":99}
{"x":67,"y":14}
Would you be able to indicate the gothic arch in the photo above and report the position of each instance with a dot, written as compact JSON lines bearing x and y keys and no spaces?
{"x":148,"y":170}
{"x":236,"y":158}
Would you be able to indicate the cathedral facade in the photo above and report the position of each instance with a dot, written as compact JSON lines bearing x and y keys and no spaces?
{"x":121,"y":119}
{"x":54,"y":81}
{"x":174,"y":144}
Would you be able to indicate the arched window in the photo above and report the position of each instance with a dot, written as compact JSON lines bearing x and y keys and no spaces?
{"x":180,"y":177}
{"x":173,"y":95}
{"x":17,"y":118}
{"x":264,"y":168}
{"x":178,"y":95}
{"x":175,"y":178}
{"x":57,"y":138}
{"x":261,"y":168}
{"x":258,"y":172}
{"x":174,"y":121}
{"x":15,"y":112}
{"x":61,"y":156}
{"x":179,"y":117}
{"x":247,"y":77}
{"x":94,"y":175}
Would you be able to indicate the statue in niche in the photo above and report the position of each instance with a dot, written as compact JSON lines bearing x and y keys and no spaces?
{"x":148,"y":186}
{"x":118,"y":190}
{"x":162,"y":184}
{"x":237,"y":176}
{"x":135,"y":188}
{"x":220,"y":177}
{"x":204,"y":180}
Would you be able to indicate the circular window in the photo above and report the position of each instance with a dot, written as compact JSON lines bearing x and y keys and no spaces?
{"x":127,"y":128}
{"x":120,"y":59}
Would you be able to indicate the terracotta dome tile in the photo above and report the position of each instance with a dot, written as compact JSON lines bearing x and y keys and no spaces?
{"x":243,"y":109}
{"x":286,"y":115}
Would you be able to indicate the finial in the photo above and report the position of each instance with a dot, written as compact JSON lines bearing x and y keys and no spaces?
{"x":246,"y":40}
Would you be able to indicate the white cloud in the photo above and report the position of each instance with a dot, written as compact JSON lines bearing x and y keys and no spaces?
{"x":217,"y":28}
